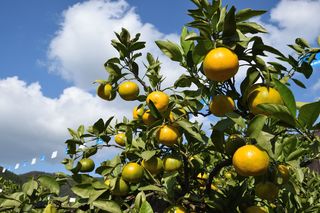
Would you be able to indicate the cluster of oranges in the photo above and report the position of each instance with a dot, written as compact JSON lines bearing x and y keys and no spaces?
{"x":220,"y":64}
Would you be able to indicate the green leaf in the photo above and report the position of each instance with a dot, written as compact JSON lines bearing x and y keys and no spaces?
{"x":151,"y":188}
{"x":98,"y":126}
{"x":303,"y":43}
{"x":286,"y":96}
{"x":280,"y":112}
{"x":237,"y":119}
{"x":30,"y":186}
{"x":263,"y":140}
{"x":146,"y":208}
{"x":318,"y":40}
{"x":183,"y":81}
{"x":82,"y":190}
{"x":146,"y":155}
{"x":308,"y":114}
{"x":296,"y":154}
{"x":170,"y":49}
{"x":140,"y":198}
{"x":185,"y":44}
{"x":107,"y":205}
{"x":189,"y":129}
{"x":50,"y":183}
{"x":229,"y":27}
{"x":306,"y":69}
{"x":248,"y":13}
{"x":255,"y":126}
{"x":298,"y":82}
{"x":95,"y":194}
{"x":251,"y":27}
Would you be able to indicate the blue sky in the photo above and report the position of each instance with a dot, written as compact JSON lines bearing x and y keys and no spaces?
{"x":50,"y":56}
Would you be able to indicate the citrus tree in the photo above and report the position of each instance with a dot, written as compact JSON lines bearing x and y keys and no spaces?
{"x":252,"y":159}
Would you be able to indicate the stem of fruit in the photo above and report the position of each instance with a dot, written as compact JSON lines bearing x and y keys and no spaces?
{"x":215,"y":171}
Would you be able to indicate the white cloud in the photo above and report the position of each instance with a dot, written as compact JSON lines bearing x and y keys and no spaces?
{"x":82,"y":44}
{"x":292,"y":19}
{"x":32,"y":124}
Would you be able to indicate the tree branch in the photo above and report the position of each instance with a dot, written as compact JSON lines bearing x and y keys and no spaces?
{"x":215,"y":171}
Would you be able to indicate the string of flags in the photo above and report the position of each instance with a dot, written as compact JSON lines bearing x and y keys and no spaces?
{"x":54,"y":155}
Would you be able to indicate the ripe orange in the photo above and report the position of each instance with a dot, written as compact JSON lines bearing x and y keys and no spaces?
{"x":148,"y":118}
{"x":171,"y":163}
{"x":267,"y":190}
{"x":159,"y":99}
{"x":87,"y":165}
{"x":175,"y":209}
{"x":120,"y":139}
{"x":168,"y":135}
{"x":220,"y":64}
{"x":249,"y":160}
{"x":121,"y":188}
{"x":234,"y":142}
{"x":132,"y":172}
{"x":154,"y":165}
{"x":137,"y":113}
{"x":262,"y":95}
{"x":255,"y":209}
{"x":105,"y":92}
{"x":221,"y":105}
{"x":128,"y":90}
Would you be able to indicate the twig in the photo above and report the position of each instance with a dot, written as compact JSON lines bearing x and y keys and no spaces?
{"x":215,"y":171}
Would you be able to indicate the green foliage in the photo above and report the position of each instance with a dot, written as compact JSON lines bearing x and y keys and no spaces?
{"x":287,"y":132}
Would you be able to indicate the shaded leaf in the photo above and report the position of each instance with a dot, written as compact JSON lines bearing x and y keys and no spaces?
{"x":308,"y":114}
{"x":170,"y":49}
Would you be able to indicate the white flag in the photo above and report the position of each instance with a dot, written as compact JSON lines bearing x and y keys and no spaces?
{"x":34,"y":160}
{"x":54,"y":154}
{"x":17,"y":166}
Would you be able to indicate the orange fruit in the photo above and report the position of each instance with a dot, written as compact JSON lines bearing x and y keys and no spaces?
{"x":132,"y":172}
{"x":220,"y":64}
{"x":171,"y":163}
{"x":255,"y":209}
{"x":120,"y":139}
{"x":262,"y":95}
{"x":128,"y":90}
{"x":233,"y":143}
{"x":175,"y":209}
{"x":105,"y":92}
{"x":221,"y":105}
{"x":87,"y":165}
{"x":121,"y":188}
{"x":168,"y":135}
{"x":137,"y":113}
{"x":159,"y":99}
{"x":249,"y":160}
{"x":148,"y":118}
{"x":154,"y":165}
{"x":267,"y":190}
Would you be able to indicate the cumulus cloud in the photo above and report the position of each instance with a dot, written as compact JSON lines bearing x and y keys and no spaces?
{"x":290,"y":19}
{"x":82,"y":43}
{"x":32,"y":124}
